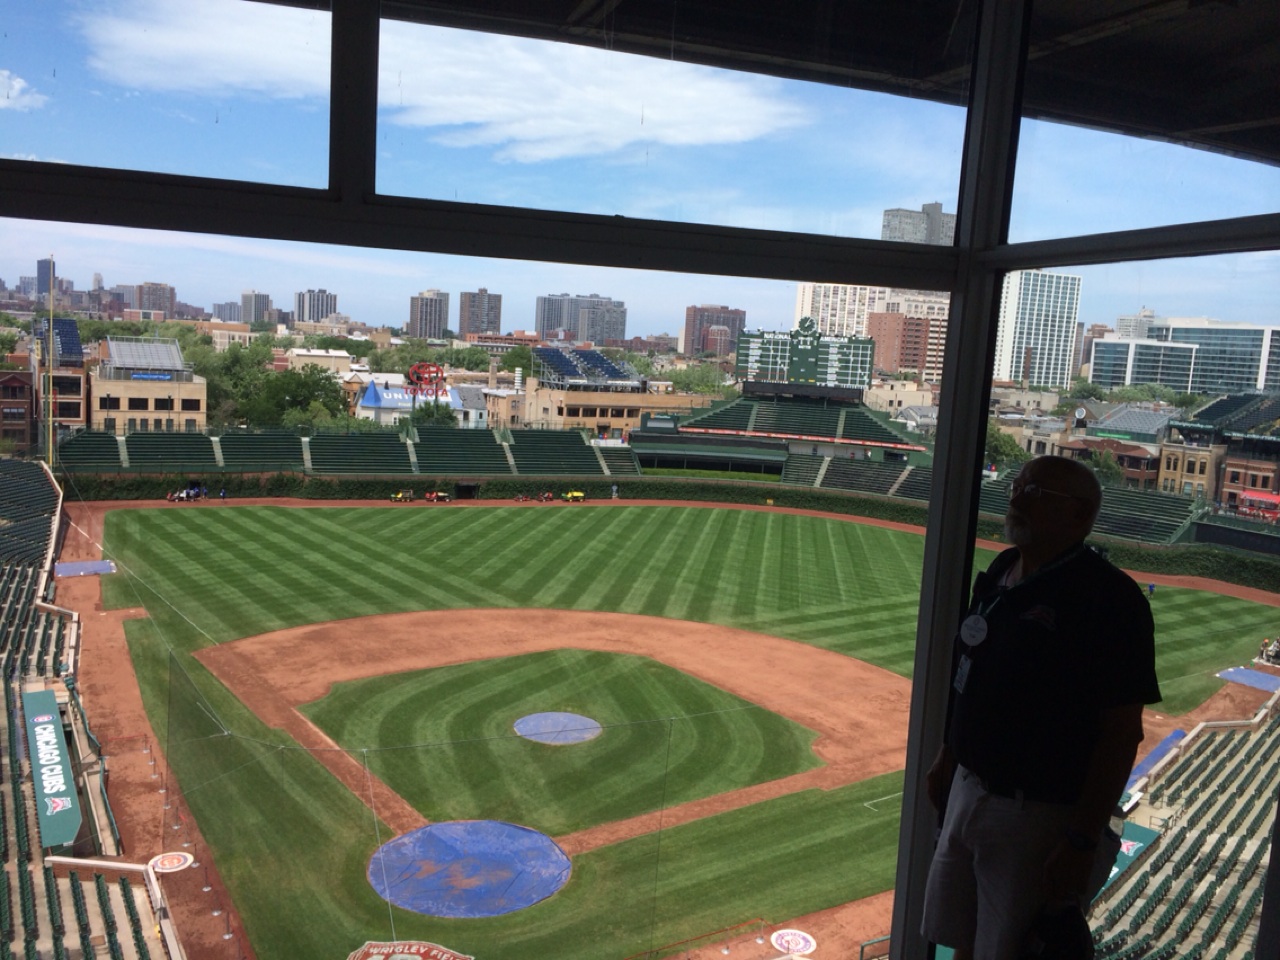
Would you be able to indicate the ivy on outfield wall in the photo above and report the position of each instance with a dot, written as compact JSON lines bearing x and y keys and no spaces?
{"x":1199,"y":560}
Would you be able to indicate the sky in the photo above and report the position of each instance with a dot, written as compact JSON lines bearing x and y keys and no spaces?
{"x":235,"y":89}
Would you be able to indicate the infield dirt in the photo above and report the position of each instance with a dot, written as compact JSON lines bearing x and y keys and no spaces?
{"x":859,"y":711}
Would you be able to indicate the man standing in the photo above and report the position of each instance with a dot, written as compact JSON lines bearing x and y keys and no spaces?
{"x":1052,"y":666}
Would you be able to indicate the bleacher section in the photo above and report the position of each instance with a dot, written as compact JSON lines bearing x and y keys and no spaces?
{"x":1265,"y":414}
{"x":1222,"y":410}
{"x":35,"y":642}
{"x":28,"y":511}
{"x":66,"y":340}
{"x":553,"y":452}
{"x":261,"y":452}
{"x":445,"y":452}
{"x":916,"y":485}
{"x":802,"y":468}
{"x":621,"y":461}
{"x":797,"y":418}
{"x":372,"y":453}
{"x":1196,"y":891}
{"x":1142,"y":515}
{"x":89,"y":452}
{"x":580,"y":365}
{"x":861,"y":425}
{"x":864,"y":476}
{"x":732,"y":416}
{"x":178,"y":452}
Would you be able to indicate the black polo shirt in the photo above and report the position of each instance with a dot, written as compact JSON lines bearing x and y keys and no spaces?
{"x":1066,"y":643}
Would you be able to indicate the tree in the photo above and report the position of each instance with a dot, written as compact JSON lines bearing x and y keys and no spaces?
{"x":521,"y":357}
{"x":704,"y":378}
{"x":1107,"y":469}
{"x":434,"y":414}
{"x":1082,"y":389}
{"x":1001,"y":449}
{"x":1186,"y":402}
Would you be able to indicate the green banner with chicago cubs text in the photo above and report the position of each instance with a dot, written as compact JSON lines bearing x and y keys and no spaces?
{"x":56,"y":802}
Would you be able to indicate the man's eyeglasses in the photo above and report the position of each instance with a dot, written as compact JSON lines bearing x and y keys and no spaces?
{"x":1033,"y":491}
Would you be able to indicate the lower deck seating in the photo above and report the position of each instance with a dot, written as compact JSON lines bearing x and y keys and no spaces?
{"x":359,"y":453}
{"x":866,"y":476}
{"x":446,"y":452}
{"x":802,"y":468}
{"x":621,"y":461}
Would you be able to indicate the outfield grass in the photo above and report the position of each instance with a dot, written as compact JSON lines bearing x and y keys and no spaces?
{"x":293,"y":843}
{"x":443,"y":738}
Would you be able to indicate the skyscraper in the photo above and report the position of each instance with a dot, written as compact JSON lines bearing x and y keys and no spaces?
{"x":428,"y":315}
{"x":839,"y":309}
{"x":479,"y":312}
{"x":592,"y":317}
{"x":254,"y":307}
{"x":227,"y":312}
{"x":157,"y":296}
{"x":926,"y":225}
{"x":44,"y":276}
{"x":699,"y":319}
{"x":314,"y":305}
{"x":1036,"y":338}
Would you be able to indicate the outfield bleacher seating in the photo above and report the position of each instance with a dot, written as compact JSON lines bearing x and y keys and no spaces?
{"x":1224,"y":408}
{"x":261,"y":452}
{"x":369,"y":453}
{"x":797,"y":418}
{"x":89,"y":452}
{"x":731,"y":416}
{"x":916,"y":485}
{"x":621,"y":461}
{"x":553,"y":452}
{"x":28,"y":512}
{"x":802,"y":468}
{"x":177,"y":452}
{"x":863,"y":476}
{"x":859,"y":424}
{"x":446,"y":452}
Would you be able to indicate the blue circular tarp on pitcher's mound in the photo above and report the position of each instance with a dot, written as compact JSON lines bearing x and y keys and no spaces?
{"x":469,"y":868}
{"x":557,"y":728}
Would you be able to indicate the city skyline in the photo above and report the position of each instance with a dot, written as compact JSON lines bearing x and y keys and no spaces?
{"x":561,"y":127}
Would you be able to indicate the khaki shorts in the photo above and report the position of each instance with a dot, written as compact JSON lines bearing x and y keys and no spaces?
{"x":985,"y":885}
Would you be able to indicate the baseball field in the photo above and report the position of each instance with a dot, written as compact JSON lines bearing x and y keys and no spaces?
{"x":322,"y":680}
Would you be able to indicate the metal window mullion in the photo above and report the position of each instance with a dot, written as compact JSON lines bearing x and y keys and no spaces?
{"x":353,"y":100}
{"x":986,"y":187}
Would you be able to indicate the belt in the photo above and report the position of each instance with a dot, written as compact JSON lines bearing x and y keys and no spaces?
{"x":1001,"y":789}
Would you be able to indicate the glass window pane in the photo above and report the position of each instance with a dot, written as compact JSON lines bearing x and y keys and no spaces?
{"x":214,"y":88}
{"x":482,"y":118}
{"x":1193,"y":128}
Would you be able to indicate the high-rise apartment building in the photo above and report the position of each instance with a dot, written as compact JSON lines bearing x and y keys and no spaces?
{"x":157,"y":296}
{"x":428,"y":315}
{"x":126,"y":294}
{"x":593,"y":317}
{"x":314,"y":305}
{"x":909,"y":343}
{"x":926,"y":225}
{"x":479,"y":312}
{"x":44,"y":276}
{"x":1036,"y":338}
{"x":254,"y":307}
{"x":699,"y":319}
{"x":839,"y":309}
{"x":1136,"y":326}
{"x":227,"y":312}
{"x":1231,"y":356}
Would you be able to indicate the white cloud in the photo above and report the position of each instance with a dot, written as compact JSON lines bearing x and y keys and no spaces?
{"x":217,"y":47}
{"x":17,"y":95}
{"x":523,"y":100}
{"x":534,"y":100}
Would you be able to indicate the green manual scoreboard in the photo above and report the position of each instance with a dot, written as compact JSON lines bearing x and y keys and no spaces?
{"x":805,"y":356}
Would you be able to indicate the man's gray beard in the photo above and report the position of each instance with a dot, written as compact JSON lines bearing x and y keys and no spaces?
{"x":1016,"y":531}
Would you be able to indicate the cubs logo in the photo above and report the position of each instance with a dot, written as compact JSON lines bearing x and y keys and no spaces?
{"x":43,"y":718}
{"x":57,"y":804}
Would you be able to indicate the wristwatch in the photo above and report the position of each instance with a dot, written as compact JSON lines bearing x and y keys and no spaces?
{"x":1079,"y":841}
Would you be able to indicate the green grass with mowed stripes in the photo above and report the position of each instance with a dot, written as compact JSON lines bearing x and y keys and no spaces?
{"x":293,"y":843}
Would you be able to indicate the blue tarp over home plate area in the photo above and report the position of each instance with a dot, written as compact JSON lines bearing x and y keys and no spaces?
{"x":83,"y":568}
{"x":469,"y":868}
